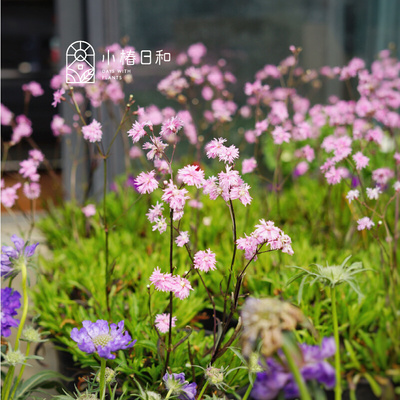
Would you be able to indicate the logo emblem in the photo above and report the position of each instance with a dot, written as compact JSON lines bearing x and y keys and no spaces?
{"x":80,"y":63}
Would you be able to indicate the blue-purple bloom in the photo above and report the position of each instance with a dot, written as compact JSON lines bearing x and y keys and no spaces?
{"x":11,"y":256}
{"x":99,"y":337}
{"x":313,"y":366}
{"x":9,"y":304}
{"x":179,"y":386}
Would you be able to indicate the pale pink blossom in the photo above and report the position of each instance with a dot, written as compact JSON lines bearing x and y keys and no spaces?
{"x":228,"y":154}
{"x":89,"y":210}
{"x":373,"y":194}
{"x":9,"y":195}
{"x":249,"y":244}
{"x":211,"y":188}
{"x":205,"y":261}
{"x":156,"y":147}
{"x":215,"y":147}
{"x":162,"y":282}
{"x":280,"y":135}
{"x":162,"y":322}
{"x":196,"y":52}
{"x":333,"y":176}
{"x":360,"y":160}
{"x":396,"y":186}
{"x":59,"y":127}
{"x":382,"y":175}
{"x":137,"y":131}
{"x":22,"y":129}
{"x":34,"y":88}
{"x":397,"y":158}
{"x":352,"y":195}
{"x":155,"y":212}
{"x":92,"y":132}
{"x":191,"y":175}
{"x":29,"y":169}
{"x":114,"y":92}
{"x":171,"y":127}
{"x":207,"y":93}
{"x":6,"y":115}
{"x":162,"y":166}
{"x":146,"y":183}
{"x":135,"y":152}
{"x":31,"y":190}
{"x":58,"y":96}
{"x":364,"y":223}
{"x":301,"y":168}
{"x":249,"y":165}
{"x":182,"y":238}
{"x":182,"y":288}
{"x":36,"y":155}
{"x":267,"y":231}
{"x":242,"y":193}
{"x":175,"y":197}
{"x":160,"y":224}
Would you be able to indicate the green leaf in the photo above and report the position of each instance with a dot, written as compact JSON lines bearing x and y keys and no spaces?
{"x":374,"y":385}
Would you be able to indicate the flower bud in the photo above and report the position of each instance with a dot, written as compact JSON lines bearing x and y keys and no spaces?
{"x":214,"y":375}
{"x":14,"y":358}
{"x":31,"y":335}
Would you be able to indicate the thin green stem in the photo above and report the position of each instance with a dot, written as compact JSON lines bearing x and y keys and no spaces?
{"x":24,"y":306}
{"x":168,"y":394}
{"x":248,"y":391}
{"x":8,"y":382}
{"x":102,"y":379}
{"x":21,"y":372}
{"x":338,"y":385}
{"x":304,"y":395}
{"x":202,"y":391}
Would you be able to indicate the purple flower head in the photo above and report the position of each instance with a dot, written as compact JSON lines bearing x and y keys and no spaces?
{"x":131,"y":182}
{"x":9,"y":304}
{"x":98,"y":337}
{"x":12,"y":256}
{"x":179,"y":386}
{"x":277,"y":376}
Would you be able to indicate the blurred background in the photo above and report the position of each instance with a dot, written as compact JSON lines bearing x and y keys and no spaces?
{"x":247,"y":33}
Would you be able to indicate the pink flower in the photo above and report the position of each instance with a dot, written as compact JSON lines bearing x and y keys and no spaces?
{"x":156,"y":147}
{"x":342,"y":147}
{"x":211,"y":188}
{"x":364,"y":223}
{"x":195,"y":204}
{"x":175,"y":197}
{"x":146,"y":183}
{"x":155,"y":212}
{"x":333,"y":176}
{"x":33,"y":87}
{"x":249,"y":245}
{"x":160,"y":224}
{"x":22,"y":129}
{"x":9,"y":195}
{"x":162,"y":282}
{"x":137,"y":131}
{"x":115,"y":92}
{"x":249,"y":165}
{"x":196,"y":52}
{"x":215,"y":147}
{"x":396,"y":186}
{"x":229,"y":178}
{"x":89,"y":210}
{"x":191,"y":175}
{"x":36,"y":155}
{"x":205,"y":261}
{"x":171,"y":127}
{"x":31,"y":190}
{"x":6,"y":115}
{"x":182,"y":239}
{"x":58,"y":96}
{"x":267,"y":231}
{"x":228,"y":154}
{"x":352,"y":195}
{"x":382,"y":175}
{"x":242,"y":193}
{"x":397,"y":158}
{"x":280,"y":135}
{"x":59,"y":127}
{"x":92,"y":132}
{"x":182,"y":288}
{"x":135,"y":152}
{"x":301,"y":168}
{"x":373,"y":194}
{"x":360,"y":160}
{"x":29,"y":169}
{"x":162,"y":322}
{"x":207,"y":93}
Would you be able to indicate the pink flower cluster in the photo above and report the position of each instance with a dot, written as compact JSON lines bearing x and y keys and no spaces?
{"x":205,"y":261}
{"x":92,"y":132}
{"x":216,"y":148}
{"x":181,"y":287}
{"x":265,"y":233}
{"x":162,"y":322}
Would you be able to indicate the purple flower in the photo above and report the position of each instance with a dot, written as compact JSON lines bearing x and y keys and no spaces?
{"x":11,"y":256}
{"x":179,"y":386}
{"x":99,"y":337}
{"x":9,"y":304}
{"x":278,"y":377}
